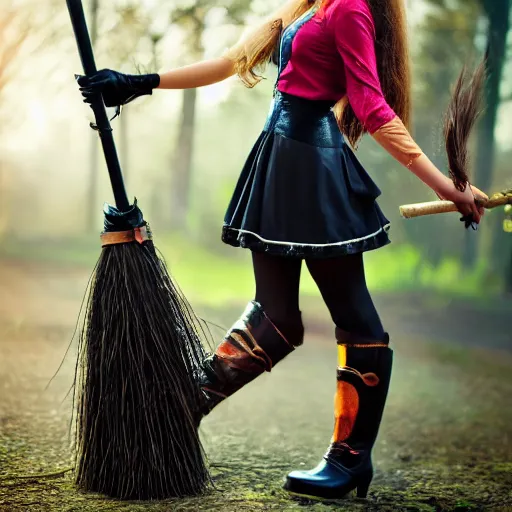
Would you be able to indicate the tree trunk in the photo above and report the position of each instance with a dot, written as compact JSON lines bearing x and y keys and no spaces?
{"x":92,"y":191}
{"x":508,"y":277}
{"x":498,"y":12}
{"x":502,"y":264}
{"x":184,"y":148}
{"x":182,"y":168}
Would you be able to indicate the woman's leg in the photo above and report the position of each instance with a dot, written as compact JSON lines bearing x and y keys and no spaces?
{"x":269,"y":329}
{"x":363,"y":374}
{"x":342,"y":283}
{"x":277,"y":291}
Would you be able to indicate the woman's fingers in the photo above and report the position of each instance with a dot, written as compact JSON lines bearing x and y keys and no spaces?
{"x":470,"y":214}
{"x":96,"y":86}
{"x":99,"y":81}
{"x":82,"y":80}
{"x":89,"y":94}
{"x":470,"y":204}
{"x":103,"y":82}
{"x":92,"y":90}
{"x":476,"y":214}
{"x":88,"y":81}
{"x":480,"y":200}
{"x":464,"y":209}
{"x":479,"y":195}
{"x":100,"y":78}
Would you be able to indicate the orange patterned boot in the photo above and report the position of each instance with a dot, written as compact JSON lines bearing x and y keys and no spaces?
{"x":363,"y":375}
{"x":251,"y":347}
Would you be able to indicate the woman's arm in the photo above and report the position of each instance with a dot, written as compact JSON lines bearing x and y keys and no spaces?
{"x":120,"y":89}
{"x":355,"y":40}
{"x":197,"y":75}
{"x":216,"y":70}
{"x":396,"y":140}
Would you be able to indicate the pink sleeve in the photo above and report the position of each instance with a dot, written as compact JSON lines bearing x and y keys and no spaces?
{"x":354,"y":34}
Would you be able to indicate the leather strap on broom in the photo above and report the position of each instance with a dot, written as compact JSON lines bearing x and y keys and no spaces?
{"x":139,"y":353}
{"x":461,"y":116}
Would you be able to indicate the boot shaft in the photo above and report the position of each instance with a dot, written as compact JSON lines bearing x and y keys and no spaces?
{"x":251,"y":347}
{"x":363,"y":377}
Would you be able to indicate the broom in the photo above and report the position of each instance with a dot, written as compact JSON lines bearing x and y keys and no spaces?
{"x":461,"y":116}
{"x":139,"y":351}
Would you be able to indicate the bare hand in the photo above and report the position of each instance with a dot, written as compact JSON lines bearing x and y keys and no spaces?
{"x":469,"y":203}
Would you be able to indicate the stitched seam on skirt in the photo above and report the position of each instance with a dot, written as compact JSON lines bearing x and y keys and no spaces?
{"x":383,"y":228}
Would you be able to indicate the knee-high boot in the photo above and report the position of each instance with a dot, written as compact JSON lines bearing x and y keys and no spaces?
{"x":251,"y":347}
{"x":363,"y":375}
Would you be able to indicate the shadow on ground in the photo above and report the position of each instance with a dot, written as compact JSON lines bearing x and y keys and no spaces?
{"x":445,"y":442}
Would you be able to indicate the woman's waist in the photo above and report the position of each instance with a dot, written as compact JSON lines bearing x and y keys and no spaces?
{"x":304,"y":100}
{"x":312,"y":84}
{"x":310,"y":121}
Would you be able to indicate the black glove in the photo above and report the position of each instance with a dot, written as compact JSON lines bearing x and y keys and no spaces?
{"x":116,"y":88}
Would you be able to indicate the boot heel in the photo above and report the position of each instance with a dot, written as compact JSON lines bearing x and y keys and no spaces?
{"x":362,"y":489}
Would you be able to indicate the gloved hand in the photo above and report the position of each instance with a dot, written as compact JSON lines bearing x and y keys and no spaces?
{"x":116,"y":88}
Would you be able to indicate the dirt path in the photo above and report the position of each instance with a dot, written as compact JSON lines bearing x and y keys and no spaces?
{"x":445,"y":442}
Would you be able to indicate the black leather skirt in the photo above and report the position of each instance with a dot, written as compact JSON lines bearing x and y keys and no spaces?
{"x":302,"y":192}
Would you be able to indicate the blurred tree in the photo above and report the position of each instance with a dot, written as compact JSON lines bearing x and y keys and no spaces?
{"x":453,"y":31}
{"x":508,"y":281}
{"x":92,"y":189}
{"x":498,"y":13}
{"x":507,"y":227}
{"x":14,"y":31}
{"x":192,"y":19}
{"x":126,"y":25}
{"x":130,"y":29}
{"x":137,"y":23}
{"x":446,"y":39}
{"x":498,"y":250}
{"x":26,"y":32}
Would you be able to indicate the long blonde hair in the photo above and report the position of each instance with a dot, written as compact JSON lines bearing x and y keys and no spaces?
{"x":256,"y":48}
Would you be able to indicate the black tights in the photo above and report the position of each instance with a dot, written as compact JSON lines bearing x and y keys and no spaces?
{"x":341,"y":282}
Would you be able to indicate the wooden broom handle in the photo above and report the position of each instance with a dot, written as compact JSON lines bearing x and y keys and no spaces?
{"x":408,"y":211}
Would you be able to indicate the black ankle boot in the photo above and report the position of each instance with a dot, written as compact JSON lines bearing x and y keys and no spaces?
{"x":251,"y":347}
{"x":363,"y":377}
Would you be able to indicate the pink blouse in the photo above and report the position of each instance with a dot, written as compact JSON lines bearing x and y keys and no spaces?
{"x":333,"y":55}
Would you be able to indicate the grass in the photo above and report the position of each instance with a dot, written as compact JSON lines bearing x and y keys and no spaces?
{"x":212,"y":278}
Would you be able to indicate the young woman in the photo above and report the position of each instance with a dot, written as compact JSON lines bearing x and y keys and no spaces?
{"x":303,"y":196}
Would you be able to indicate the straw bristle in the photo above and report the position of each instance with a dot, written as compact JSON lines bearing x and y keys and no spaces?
{"x":137,"y":436}
{"x":461,"y":116}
